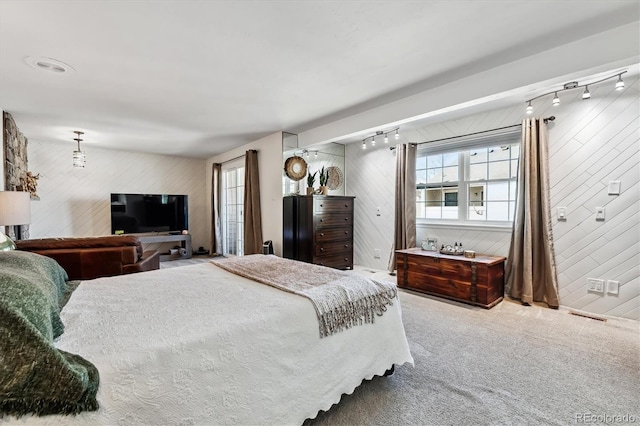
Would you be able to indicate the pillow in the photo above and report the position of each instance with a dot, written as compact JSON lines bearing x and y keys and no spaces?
{"x":35,"y":377}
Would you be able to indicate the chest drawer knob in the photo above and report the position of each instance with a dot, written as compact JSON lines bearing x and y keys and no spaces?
{"x":346,"y":232}
{"x":321,"y":205}
{"x":346,"y":205}
{"x":321,"y":220}
{"x":346,"y":259}
{"x":346,"y":245}
{"x":321,"y":248}
{"x":346,"y":218}
{"x":322,"y":234}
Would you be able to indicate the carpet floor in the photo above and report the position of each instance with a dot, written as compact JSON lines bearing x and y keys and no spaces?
{"x":510,"y":365}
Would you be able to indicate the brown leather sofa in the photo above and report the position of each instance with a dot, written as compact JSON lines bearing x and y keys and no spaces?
{"x":92,"y":257}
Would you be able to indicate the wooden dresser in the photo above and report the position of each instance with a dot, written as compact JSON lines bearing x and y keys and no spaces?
{"x":319,"y":229}
{"x":478,"y":281}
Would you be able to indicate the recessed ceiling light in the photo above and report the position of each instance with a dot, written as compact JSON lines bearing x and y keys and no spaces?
{"x":48,"y":64}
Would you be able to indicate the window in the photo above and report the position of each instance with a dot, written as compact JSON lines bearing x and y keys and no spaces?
{"x":233,"y":211}
{"x":471,"y":181}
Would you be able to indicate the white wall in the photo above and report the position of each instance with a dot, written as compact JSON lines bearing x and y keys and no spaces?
{"x":591,"y":143}
{"x":75,"y":202}
{"x":270,"y":167}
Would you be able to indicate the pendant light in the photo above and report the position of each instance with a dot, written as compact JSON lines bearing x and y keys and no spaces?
{"x":79,"y":157}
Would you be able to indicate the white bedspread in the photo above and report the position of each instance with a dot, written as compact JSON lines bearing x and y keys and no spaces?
{"x":197,"y":345}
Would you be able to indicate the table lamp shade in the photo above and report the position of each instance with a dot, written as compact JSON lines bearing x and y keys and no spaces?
{"x":15,"y":208}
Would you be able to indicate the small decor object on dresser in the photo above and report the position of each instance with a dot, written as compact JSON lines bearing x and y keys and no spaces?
{"x":324,"y":176}
{"x":430,"y":244}
{"x":311,"y":179}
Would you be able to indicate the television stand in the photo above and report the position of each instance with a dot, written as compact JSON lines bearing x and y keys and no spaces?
{"x":185,"y":243}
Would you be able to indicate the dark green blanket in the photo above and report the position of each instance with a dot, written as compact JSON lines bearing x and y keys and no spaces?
{"x":35,"y":377}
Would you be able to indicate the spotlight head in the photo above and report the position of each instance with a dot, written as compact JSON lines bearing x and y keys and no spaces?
{"x":529,"y":108}
{"x":586,"y":94}
{"x":397,"y":135}
{"x":556,"y":100}
{"x":386,"y":139}
{"x":620,"y":83}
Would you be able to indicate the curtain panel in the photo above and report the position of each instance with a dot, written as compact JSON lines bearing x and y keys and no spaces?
{"x":530,"y":271}
{"x":216,"y":218}
{"x":404,"y":235}
{"x":252,"y":214}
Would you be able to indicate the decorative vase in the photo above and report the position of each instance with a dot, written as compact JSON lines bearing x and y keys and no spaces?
{"x":324,"y":190}
{"x":310,"y":190}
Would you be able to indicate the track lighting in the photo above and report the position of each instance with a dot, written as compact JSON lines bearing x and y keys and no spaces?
{"x":380,"y":133}
{"x":306,"y":152}
{"x":529,"y":108}
{"x":574,"y":85}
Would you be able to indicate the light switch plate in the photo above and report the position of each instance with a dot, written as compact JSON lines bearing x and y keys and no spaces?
{"x":600,"y":213}
{"x":614,"y":187}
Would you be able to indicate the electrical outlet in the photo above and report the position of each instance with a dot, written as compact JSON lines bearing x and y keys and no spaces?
{"x":595,"y":285}
{"x":562,"y":213}
{"x":600,"y":214}
{"x":377,"y":211}
{"x":376,"y":254}
{"x":613,"y":286}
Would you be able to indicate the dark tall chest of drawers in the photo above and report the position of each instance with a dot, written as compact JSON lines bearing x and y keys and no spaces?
{"x":319,"y":229}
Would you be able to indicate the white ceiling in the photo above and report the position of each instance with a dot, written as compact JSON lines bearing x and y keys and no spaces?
{"x":197,"y":78}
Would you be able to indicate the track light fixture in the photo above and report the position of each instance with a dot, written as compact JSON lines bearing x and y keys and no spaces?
{"x":574,"y":85}
{"x":380,"y":133}
{"x":306,"y":153}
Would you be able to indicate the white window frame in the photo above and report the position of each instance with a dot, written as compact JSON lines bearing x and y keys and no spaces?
{"x":462,"y":145}
{"x":235,"y":165}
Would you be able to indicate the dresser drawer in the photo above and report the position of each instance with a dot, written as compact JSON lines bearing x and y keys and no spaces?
{"x":334,"y":248}
{"x":335,"y":261}
{"x":333,"y":219}
{"x":329,"y":205}
{"x":334,"y":234}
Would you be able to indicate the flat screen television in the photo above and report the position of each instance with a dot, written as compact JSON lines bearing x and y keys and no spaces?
{"x":138,"y":213}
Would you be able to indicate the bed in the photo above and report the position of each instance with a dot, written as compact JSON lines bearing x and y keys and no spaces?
{"x":201,"y":345}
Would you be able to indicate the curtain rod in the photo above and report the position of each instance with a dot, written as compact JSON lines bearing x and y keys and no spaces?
{"x":547,"y":119}
{"x":232,"y":159}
